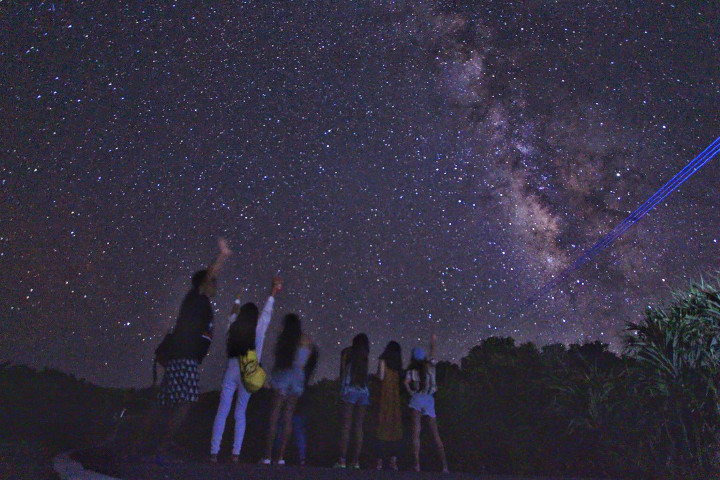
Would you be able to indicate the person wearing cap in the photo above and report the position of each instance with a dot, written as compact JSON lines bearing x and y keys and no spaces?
{"x":421,"y":385}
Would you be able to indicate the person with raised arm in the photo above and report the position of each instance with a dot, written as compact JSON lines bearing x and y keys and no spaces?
{"x":244,"y":333}
{"x":191,"y":339}
{"x":421,"y":385}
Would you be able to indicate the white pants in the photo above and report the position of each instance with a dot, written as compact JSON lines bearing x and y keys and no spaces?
{"x":231,"y":382}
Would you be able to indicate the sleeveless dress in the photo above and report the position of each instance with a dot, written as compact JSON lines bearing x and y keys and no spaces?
{"x":389,"y":410}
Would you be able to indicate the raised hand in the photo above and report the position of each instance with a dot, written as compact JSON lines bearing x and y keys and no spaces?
{"x":276,"y":286}
{"x":225,"y":252}
{"x":224,"y":249}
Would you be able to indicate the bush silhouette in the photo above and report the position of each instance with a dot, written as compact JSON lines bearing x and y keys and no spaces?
{"x":506,"y":408}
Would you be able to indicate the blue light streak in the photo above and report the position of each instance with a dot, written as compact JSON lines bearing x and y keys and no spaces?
{"x":673,"y":184}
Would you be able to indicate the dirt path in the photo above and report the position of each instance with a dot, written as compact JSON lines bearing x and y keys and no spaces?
{"x":206,"y":471}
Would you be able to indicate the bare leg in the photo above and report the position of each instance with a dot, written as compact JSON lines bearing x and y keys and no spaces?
{"x":151,"y":430}
{"x":287,"y":424}
{"x":358,"y":426}
{"x":438,"y":443}
{"x":177,"y":419}
{"x":345,"y":420}
{"x":277,"y":402}
{"x":415,"y":419}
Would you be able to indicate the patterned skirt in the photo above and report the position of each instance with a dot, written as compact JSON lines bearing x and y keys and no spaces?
{"x":179,"y":383}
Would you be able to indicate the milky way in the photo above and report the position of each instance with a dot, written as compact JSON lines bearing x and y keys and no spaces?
{"x":409,"y":167}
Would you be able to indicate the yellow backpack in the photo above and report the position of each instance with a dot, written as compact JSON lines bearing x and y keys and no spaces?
{"x":253,"y":375}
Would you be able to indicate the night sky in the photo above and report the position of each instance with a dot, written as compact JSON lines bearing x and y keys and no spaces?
{"x":410,"y":167}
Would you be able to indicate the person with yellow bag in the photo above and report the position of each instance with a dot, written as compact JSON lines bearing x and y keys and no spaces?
{"x":245,"y":338}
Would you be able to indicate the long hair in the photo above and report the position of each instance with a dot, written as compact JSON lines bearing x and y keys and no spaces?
{"x":358,"y":359}
{"x":287,"y":342}
{"x":241,"y":336}
{"x":392,"y":356}
{"x":309,"y":368}
{"x":422,"y":368}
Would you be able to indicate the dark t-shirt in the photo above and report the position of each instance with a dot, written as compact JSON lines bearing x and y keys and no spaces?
{"x":194,"y":328}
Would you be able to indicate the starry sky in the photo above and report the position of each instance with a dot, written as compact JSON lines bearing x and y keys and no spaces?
{"x":411,"y":167}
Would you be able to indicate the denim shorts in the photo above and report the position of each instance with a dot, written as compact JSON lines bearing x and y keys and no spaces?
{"x":355,"y":395}
{"x":423,"y":403}
{"x":288,"y":382}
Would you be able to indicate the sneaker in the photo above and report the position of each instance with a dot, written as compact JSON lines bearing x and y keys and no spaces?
{"x":213,"y":458}
{"x":264,"y":461}
{"x":355,"y":466}
{"x":339,"y":465}
{"x":235,"y":458}
{"x":302,"y":462}
{"x":280,"y":462}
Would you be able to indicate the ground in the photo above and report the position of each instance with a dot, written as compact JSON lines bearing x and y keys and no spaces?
{"x":206,"y":471}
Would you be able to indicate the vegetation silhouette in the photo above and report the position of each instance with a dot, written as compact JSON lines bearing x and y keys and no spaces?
{"x":652,"y":411}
